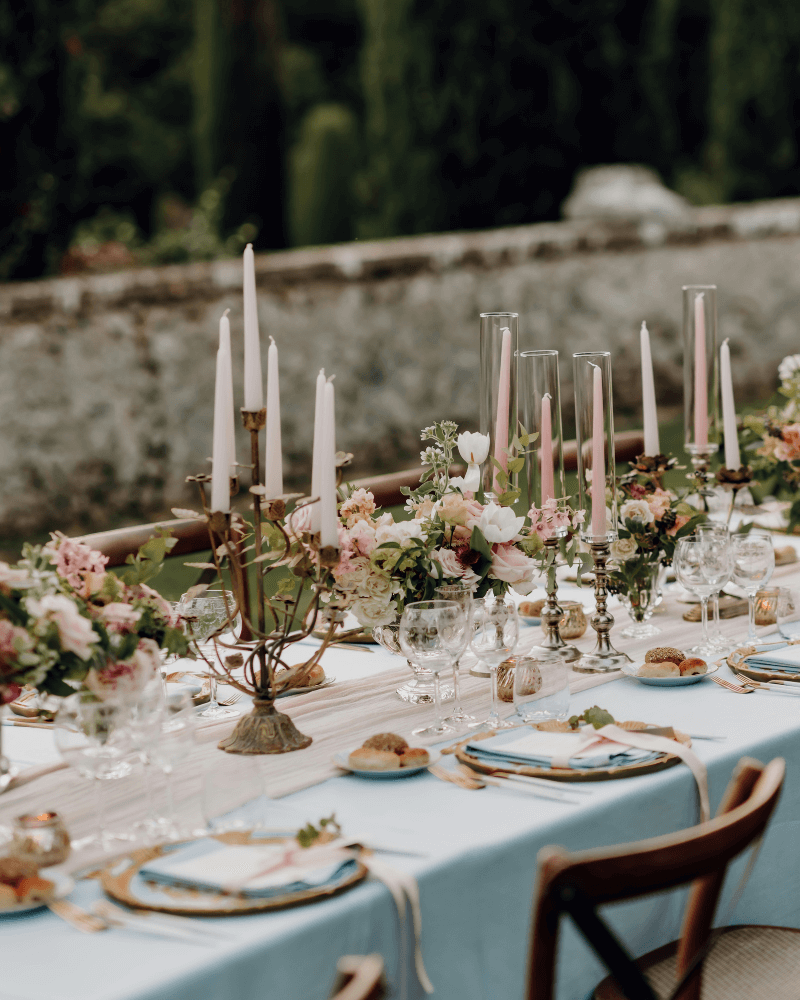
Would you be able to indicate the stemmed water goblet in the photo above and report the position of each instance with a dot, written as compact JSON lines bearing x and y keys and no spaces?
{"x":92,"y":736}
{"x":204,"y":616}
{"x":146,"y":712}
{"x":717,"y":567}
{"x":432,"y":635}
{"x":753,"y":562}
{"x":495,"y":633}
{"x":462,"y":595}
{"x":689,"y":563}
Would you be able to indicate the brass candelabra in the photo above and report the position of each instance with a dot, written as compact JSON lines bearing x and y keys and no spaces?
{"x":552,"y":614}
{"x":604,"y":657}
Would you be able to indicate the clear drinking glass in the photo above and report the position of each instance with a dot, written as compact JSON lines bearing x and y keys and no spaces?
{"x":92,"y":737}
{"x":640,"y":602}
{"x":541,"y":687}
{"x":463,"y":597}
{"x":498,"y":390}
{"x":753,"y":562}
{"x":172,"y":745}
{"x":495,"y":633}
{"x":204,"y":616}
{"x":715,"y":535}
{"x":145,"y":716}
{"x":432,"y":635}
{"x":788,"y":613}
{"x":690,"y":572}
{"x":234,"y":797}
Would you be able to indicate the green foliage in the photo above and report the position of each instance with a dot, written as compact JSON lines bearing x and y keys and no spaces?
{"x":321,"y":168}
{"x":149,"y":560}
{"x":594,"y":716}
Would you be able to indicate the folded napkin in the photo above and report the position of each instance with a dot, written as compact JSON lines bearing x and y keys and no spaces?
{"x":785,"y":658}
{"x":583,"y":749}
{"x":256,"y":871}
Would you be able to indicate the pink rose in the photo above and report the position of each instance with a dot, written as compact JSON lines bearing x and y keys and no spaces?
{"x":659,"y":503}
{"x":680,"y":521}
{"x":119,"y":617}
{"x":358,"y":507}
{"x":788,"y":449}
{"x":452,"y":566}
{"x":74,"y":631}
{"x":12,"y":638}
{"x":362,"y":537}
{"x":512,"y":566}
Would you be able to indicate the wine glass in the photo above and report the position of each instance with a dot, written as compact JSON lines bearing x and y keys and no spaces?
{"x":753,"y":563}
{"x":172,"y":745}
{"x":713,"y":533}
{"x":204,"y":617}
{"x":717,"y":569}
{"x":689,"y":570}
{"x":495,"y":633}
{"x":92,"y":737}
{"x":145,"y":717}
{"x":432,"y":635}
{"x":462,"y":595}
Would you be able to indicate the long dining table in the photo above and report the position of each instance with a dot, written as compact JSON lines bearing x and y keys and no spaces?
{"x":472,"y":852}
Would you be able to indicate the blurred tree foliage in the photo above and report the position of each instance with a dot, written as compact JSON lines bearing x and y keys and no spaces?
{"x":184,"y":127}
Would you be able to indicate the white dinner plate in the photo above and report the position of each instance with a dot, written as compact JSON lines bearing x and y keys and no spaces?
{"x":64,"y":886}
{"x":630,"y":670}
{"x":341,"y":760}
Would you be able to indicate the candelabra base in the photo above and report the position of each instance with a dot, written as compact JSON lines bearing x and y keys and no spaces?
{"x":569,"y":654}
{"x":265,"y":730}
{"x":603,"y":658}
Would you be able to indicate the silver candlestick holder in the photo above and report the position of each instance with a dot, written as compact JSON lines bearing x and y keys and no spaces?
{"x":604,"y":657}
{"x":552,"y":614}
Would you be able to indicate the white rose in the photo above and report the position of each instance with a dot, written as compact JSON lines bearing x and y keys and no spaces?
{"x":74,"y":631}
{"x":788,"y":366}
{"x":120,"y":615}
{"x":473,"y":448}
{"x":372,"y":612}
{"x":637,"y":510}
{"x":402,"y":532}
{"x":497,"y":524}
{"x":377,"y":587}
{"x":449,"y":561}
{"x":624,"y":549}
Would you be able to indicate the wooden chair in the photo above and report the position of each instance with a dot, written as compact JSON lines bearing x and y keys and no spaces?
{"x":360,"y":978}
{"x":744,"y":962}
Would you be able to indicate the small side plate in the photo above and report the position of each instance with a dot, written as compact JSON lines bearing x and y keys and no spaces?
{"x":341,"y":760}
{"x":630,"y":670}
{"x":64,"y":886}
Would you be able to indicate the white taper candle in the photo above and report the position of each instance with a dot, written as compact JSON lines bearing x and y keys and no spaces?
{"x":253,"y":379}
{"x":273,"y":463}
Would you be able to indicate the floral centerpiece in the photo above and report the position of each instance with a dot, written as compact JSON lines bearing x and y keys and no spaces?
{"x":450,"y":537}
{"x":650,"y":522}
{"x":772,"y":442}
{"x":66,"y":623}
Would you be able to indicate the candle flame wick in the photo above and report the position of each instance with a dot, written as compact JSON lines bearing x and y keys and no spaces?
{"x":644,"y":328}
{"x":547,"y":396}
{"x":331,"y":378}
{"x":725,"y":341}
{"x":272,"y":341}
{"x":226,"y":312}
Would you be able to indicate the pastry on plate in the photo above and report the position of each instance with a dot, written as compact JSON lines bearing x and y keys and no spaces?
{"x":664,"y":669}
{"x":35,"y":890}
{"x":692,"y":665}
{"x":414,"y":757}
{"x":12,"y":869}
{"x":386,"y":741}
{"x":531,"y":609}
{"x":7,"y":896}
{"x":368,"y":759}
{"x":661,"y":654}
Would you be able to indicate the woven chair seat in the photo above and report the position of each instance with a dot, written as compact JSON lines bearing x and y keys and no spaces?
{"x":745,"y":963}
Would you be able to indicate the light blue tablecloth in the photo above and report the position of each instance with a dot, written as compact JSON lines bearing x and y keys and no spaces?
{"x":476,"y":883}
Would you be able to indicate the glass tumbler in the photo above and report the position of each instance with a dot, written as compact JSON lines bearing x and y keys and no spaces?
{"x":541,"y":687}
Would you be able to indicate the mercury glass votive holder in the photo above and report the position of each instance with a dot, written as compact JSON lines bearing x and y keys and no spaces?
{"x":499,"y":345}
{"x":41,"y":839}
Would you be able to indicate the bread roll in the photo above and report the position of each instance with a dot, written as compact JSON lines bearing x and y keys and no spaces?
{"x":315,"y":676}
{"x":7,"y":896}
{"x":665,"y":669}
{"x":386,"y":741}
{"x":414,"y":757}
{"x":531,"y":609}
{"x":693,"y":665}
{"x":663,"y":653}
{"x":367,"y":759}
{"x":12,"y":869}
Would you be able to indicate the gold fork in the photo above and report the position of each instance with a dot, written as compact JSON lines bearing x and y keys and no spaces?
{"x":730,"y":686}
{"x":76,"y":917}
{"x":457,"y":778}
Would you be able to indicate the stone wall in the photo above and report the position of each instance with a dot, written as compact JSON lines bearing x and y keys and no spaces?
{"x":106,"y":382}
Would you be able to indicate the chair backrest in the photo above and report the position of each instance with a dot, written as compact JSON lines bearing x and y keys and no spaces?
{"x":360,"y":978}
{"x":576,"y":883}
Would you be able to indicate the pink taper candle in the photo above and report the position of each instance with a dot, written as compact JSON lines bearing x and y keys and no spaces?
{"x":700,"y":376}
{"x":598,"y":456}
{"x":503,"y":394}
{"x":546,"y":450}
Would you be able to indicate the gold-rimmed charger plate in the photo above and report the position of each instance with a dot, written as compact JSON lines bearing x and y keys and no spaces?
{"x":575,"y":773}
{"x":119,"y":880}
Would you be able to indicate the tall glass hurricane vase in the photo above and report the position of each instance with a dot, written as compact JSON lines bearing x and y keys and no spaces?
{"x":700,"y":373}
{"x":498,"y":391}
{"x":597,"y":495}
{"x":540,"y":414}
